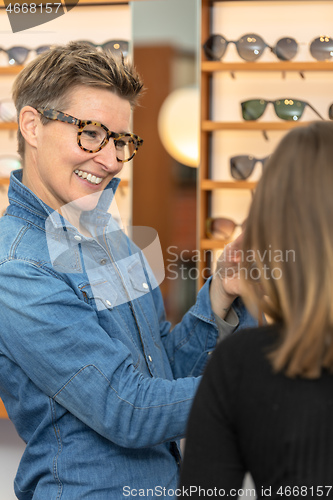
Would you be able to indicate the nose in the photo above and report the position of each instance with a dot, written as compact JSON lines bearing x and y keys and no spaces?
{"x":107,"y":158}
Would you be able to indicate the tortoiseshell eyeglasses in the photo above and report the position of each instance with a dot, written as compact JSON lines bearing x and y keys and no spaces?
{"x":93,"y":136}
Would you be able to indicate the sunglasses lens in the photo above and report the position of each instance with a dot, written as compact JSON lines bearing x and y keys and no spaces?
{"x":286,"y":49}
{"x":17,"y":55}
{"x":250,"y":47}
{"x":253,"y":109}
{"x":7,"y":164}
{"x":43,"y":48}
{"x":116,"y":47}
{"x":289,"y":109}
{"x":215,"y":47}
{"x":241,"y":167}
{"x":221,"y":228}
{"x":322,"y":48}
{"x":91,"y":44}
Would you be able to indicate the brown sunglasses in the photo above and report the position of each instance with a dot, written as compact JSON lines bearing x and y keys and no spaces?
{"x":221,"y":228}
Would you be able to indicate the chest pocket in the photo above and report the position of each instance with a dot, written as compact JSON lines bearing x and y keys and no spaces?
{"x":110,"y":298}
{"x":138,"y":279}
{"x":110,"y":286}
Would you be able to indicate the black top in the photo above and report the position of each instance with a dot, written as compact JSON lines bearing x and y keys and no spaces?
{"x":245,"y":418}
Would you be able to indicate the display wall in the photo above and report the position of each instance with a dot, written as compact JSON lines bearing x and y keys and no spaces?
{"x":303,"y":20}
{"x":231,"y":80}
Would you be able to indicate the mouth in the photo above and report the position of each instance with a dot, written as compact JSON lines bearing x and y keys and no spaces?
{"x":88,"y":177}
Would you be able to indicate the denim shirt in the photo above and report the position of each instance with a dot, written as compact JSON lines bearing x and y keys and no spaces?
{"x":99,"y":388}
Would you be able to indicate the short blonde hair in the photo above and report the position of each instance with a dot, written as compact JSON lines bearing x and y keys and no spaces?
{"x":48,"y":80}
{"x":292,"y":210}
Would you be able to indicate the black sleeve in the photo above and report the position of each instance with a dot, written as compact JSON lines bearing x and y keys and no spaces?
{"x":212,"y":458}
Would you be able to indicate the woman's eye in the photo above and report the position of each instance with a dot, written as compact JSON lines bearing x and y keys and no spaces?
{"x":90,"y":133}
{"x":121,"y":144}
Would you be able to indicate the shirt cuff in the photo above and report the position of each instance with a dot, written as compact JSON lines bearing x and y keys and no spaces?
{"x":227,"y":325}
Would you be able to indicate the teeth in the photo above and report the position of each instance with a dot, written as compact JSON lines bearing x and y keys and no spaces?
{"x":91,"y":178}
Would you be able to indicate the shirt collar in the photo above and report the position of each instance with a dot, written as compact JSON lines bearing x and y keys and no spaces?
{"x":18,"y":192}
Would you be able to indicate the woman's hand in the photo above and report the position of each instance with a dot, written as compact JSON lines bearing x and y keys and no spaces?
{"x":225,"y":286}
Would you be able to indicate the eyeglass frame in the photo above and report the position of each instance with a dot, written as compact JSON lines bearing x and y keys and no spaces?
{"x":102,"y":46}
{"x":210,"y":221}
{"x":53,"y":114}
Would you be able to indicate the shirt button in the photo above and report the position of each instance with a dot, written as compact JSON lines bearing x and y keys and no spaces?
{"x":108,"y":303}
{"x":77,"y":237}
{"x":103,"y":262}
{"x":145,"y":285}
{"x":150,"y":358}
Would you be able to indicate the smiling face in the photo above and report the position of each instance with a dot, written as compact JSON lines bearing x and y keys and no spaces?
{"x":56,"y":169}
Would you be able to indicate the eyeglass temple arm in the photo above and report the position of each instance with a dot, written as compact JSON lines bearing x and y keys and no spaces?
{"x":317,"y":112}
{"x":264,"y":133}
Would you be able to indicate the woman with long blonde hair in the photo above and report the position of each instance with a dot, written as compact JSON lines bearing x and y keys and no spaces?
{"x":265,"y":403}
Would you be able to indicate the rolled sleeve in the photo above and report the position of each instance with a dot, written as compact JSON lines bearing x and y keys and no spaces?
{"x":227,"y":325}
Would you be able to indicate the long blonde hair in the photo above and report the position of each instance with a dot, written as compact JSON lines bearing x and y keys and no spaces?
{"x":289,"y":235}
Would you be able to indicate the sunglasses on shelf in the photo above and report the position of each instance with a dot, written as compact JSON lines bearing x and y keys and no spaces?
{"x":251,"y":46}
{"x":116,"y":47}
{"x":287,"y":108}
{"x":242,"y":166}
{"x":9,"y":163}
{"x":18,"y":55}
{"x":221,"y":228}
{"x":7,"y":110}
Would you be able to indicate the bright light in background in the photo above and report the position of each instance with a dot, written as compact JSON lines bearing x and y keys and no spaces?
{"x":178,"y":125}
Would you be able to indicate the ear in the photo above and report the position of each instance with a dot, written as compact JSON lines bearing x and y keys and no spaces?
{"x":28,"y":122}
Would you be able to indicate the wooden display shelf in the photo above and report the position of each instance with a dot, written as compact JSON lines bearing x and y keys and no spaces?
{"x":80,"y":3}
{"x":8,"y":126}
{"x":10,"y":70}
{"x":211,"y":126}
{"x":101,"y":2}
{"x":211,"y":244}
{"x":210,"y":185}
{"x":4,"y":181}
{"x":220,"y":1}
{"x":3,"y":413}
{"x":299,"y":66}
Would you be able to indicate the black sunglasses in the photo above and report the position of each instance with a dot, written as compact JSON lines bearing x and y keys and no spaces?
{"x":251,"y":46}
{"x":242,"y":166}
{"x":18,"y":55}
{"x":287,"y":108}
